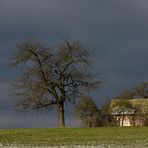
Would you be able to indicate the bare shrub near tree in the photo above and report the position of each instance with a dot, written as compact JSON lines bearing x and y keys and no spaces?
{"x":87,"y":112}
{"x":52,"y":76}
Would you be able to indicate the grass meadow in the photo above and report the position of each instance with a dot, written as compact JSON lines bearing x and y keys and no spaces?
{"x":105,"y":137}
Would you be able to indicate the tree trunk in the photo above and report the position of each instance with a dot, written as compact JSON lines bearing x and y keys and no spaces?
{"x":122,"y":120}
{"x":61,"y":115}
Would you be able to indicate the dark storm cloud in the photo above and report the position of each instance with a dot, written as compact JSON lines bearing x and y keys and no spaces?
{"x":116,"y":32}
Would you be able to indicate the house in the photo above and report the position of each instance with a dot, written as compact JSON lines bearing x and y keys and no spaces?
{"x":132,"y":112}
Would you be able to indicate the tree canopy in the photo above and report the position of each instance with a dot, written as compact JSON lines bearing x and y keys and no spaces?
{"x":52,"y":76}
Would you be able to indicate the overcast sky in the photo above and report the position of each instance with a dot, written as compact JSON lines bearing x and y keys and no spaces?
{"x":115,"y":31}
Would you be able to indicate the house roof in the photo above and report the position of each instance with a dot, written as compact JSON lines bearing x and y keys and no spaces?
{"x":130,"y":107}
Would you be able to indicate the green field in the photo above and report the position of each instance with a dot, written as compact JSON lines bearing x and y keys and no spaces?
{"x":108,"y":137}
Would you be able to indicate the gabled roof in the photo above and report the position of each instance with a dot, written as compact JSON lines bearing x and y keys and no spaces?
{"x":132,"y":105}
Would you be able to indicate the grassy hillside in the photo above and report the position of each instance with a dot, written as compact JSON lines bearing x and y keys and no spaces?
{"x":99,"y":137}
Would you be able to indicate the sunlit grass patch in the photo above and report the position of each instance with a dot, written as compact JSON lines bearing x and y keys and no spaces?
{"x":76,"y":137}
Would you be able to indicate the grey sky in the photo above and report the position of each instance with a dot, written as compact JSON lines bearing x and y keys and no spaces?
{"x":115,"y":31}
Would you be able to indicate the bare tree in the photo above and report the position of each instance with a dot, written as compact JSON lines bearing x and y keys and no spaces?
{"x":52,"y":76}
{"x":87,"y":112}
{"x":141,"y":90}
{"x":136,"y":92}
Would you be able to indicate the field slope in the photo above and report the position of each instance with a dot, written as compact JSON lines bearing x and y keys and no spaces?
{"x":99,"y":137}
